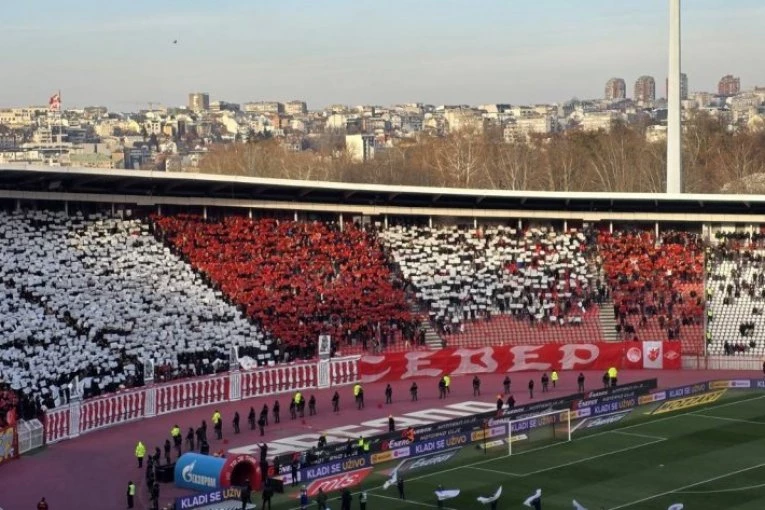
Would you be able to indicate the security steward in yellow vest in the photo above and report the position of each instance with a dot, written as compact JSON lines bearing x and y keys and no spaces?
{"x":554,"y":378}
{"x":613,"y":376}
{"x":140,"y":453}
{"x":130,"y":494}
{"x":175,"y":433}
{"x":217,"y":420}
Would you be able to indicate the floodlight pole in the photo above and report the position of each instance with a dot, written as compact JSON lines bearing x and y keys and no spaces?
{"x":674,"y":126}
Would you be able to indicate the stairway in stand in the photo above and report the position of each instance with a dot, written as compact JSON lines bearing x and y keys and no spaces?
{"x":607,"y":321}
{"x":432,"y":339}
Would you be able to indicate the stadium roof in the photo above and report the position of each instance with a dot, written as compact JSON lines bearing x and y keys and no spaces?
{"x":163,"y":187}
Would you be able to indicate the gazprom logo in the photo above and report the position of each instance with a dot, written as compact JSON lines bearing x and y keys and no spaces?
{"x":190,"y":477}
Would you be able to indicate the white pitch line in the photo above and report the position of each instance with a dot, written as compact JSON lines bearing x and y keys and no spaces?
{"x":574,"y":462}
{"x":689,"y":486}
{"x":724,"y":418}
{"x":635,"y":434}
{"x":410,"y":501}
{"x":723,"y":491}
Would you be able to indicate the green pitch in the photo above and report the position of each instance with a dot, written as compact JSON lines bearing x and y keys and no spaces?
{"x":706,"y":457}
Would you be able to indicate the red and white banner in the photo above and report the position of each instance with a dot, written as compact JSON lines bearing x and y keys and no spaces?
{"x":501,"y":359}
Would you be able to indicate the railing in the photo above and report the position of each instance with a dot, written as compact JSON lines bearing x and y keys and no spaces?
{"x":80,"y":417}
{"x":722,"y":363}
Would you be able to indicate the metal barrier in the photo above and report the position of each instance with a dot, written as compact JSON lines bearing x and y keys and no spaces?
{"x":723,"y":363}
{"x":80,"y":417}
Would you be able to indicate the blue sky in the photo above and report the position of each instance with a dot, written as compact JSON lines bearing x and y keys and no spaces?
{"x":121,"y":54}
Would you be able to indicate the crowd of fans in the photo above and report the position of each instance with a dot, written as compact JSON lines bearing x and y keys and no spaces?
{"x":656,"y":284}
{"x":461,"y":275}
{"x":85,"y":301}
{"x":736,"y":294}
{"x":298,"y":280}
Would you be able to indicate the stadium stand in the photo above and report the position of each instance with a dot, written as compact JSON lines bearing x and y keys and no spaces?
{"x":299,"y":279}
{"x":657,"y":286}
{"x":91,"y":297}
{"x":499,"y":284}
{"x":736,"y":298}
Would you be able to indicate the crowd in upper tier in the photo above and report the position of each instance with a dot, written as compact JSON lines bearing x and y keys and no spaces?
{"x":657,"y":285}
{"x":86,"y":300}
{"x":89,"y":303}
{"x":461,"y":275}
{"x":298,"y":280}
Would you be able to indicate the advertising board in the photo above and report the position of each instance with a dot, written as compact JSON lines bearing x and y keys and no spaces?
{"x":426,"y":461}
{"x":687,"y":403}
{"x":338,"y":482}
{"x":208,"y":498}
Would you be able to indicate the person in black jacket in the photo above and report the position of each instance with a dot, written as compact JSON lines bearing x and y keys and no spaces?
{"x":251,"y":418}
{"x":294,"y":467}
{"x":262,"y":426}
{"x":155,"y":496}
{"x":235,"y":422}
{"x":312,"y":406}
{"x":190,"y":438}
{"x":246,"y":495}
{"x":531,"y":388}
{"x":345,"y":500}
{"x":268,"y":493}
{"x":476,"y":386}
{"x":336,"y":402}
{"x":276,"y":410}
{"x":388,"y":394}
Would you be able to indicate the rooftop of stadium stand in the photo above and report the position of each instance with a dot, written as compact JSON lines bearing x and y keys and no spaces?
{"x":34,"y":182}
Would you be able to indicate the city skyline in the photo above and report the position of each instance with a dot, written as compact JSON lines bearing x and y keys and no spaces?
{"x":356,"y":53}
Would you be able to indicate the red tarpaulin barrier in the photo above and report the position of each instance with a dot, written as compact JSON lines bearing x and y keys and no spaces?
{"x":501,"y":359}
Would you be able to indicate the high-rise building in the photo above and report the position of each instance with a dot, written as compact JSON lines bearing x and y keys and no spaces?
{"x":645,"y":90}
{"x":729,"y":85}
{"x":616,"y":88}
{"x":683,"y":87}
{"x":295,"y":108}
{"x":199,"y":101}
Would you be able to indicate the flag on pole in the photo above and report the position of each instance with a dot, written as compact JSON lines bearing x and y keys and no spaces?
{"x":54,"y":103}
{"x":391,"y":481}
{"x":490,"y":499}
{"x":443,"y":495}
{"x":577,"y":506}
{"x":534,"y":498}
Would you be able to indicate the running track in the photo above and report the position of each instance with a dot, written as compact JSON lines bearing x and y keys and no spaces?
{"x":92,"y":472}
